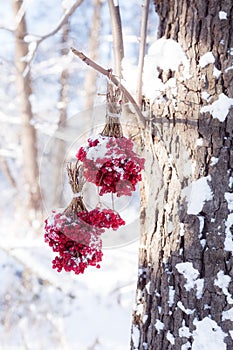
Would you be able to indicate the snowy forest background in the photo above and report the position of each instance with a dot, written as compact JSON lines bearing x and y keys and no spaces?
{"x":40,"y":308}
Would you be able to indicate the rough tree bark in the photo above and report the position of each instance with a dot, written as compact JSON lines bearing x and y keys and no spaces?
{"x":28,"y":133}
{"x":185,"y":258}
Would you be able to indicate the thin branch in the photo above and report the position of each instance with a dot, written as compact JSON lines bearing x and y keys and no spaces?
{"x":63,"y":21}
{"x":142,"y":49}
{"x":113,"y":79}
{"x":118,"y":47}
{"x":7,"y":172}
{"x":11,"y":30}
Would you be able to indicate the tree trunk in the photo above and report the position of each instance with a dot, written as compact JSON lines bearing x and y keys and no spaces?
{"x":118,"y":45}
{"x":60,"y":146}
{"x":28,"y":133}
{"x":184,"y":292}
{"x":91,"y":75}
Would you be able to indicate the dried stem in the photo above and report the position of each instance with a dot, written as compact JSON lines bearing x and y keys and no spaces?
{"x":74,"y":172}
{"x":142,"y":49}
{"x":115,"y":81}
{"x":113,"y":126}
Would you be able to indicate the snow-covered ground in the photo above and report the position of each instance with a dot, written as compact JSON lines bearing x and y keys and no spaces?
{"x":42,"y":309}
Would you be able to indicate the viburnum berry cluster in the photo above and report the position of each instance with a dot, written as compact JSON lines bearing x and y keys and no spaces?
{"x":111,"y":164}
{"x":77,"y":243}
{"x":75,"y":233}
{"x":105,"y":218}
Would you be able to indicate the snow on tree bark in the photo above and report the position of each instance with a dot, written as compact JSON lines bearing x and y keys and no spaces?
{"x":185,"y":273}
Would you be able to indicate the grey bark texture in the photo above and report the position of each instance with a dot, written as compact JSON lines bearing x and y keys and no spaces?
{"x":180,"y":147}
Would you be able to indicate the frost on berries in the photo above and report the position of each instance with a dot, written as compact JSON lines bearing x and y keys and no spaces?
{"x":111,"y":164}
{"x":77,"y":243}
{"x":76,"y":238}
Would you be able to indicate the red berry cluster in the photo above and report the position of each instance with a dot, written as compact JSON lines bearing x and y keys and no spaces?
{"x":105,"y":218}
{"x":111,"y":164}
{"x":77,"y":243}
{"x":77,"y":240}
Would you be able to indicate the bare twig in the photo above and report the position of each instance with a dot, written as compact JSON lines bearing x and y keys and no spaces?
{"x":114,"y":79}
{"x":11,"y":30}
{"x":118,"y":47}
{"x":7,"y":172}
{"x":142,"y":49}
{"x":63,"y":21}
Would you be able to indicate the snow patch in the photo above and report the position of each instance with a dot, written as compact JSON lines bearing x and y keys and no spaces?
{"x":206,"y":59}
{"x":148,"y":287}
{"x":220,"y":108}
{"x":186,"y":311}
{"x":170,"y":338}
{"x":199,"y":141}
{"x":200,"y":281}
{"x":228,"y":244}
{"x":168,"y":54}
{"x":135,"y":336}
{"x":186,"y":346}
{"x":165,"y":54}
{"x":222,"y":282}
{"x":201,"y":224}
{"x":159,"y":325}
{"x":222,"y":15}
{"x":192,"y":280}
{"x":189,"y":273}
{"x":181,"y":229}
{"x":227,"y":315}
{"x":184,"y":332}
{"x":139,"y":309}
{"x":171,"y":296}
{"x":216,"y":72}
{"x":213,"y":161}
{"x":229,"y":198}
{"x":200,"y":192}
{"x":205,"y":95}
{"x":208,"y":335}
{"x":230,"y":183}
